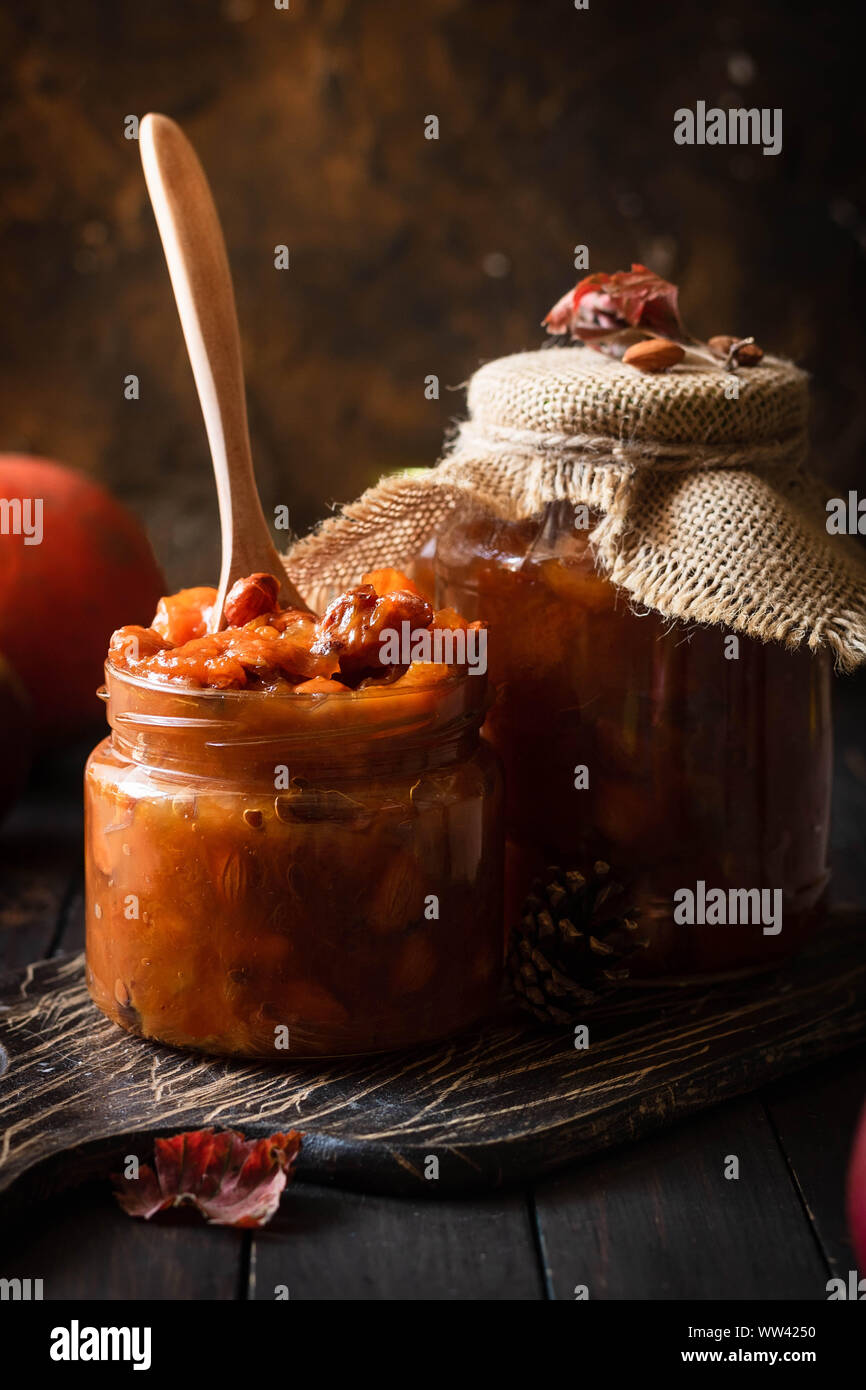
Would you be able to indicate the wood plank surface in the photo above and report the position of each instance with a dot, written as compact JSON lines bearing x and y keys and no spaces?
{"x":346,"y":1245}
{"x":504,"y":1103}
{"x":86,"y":1247}
{"x":661,"y":1220}
{"x":814,"y":1118}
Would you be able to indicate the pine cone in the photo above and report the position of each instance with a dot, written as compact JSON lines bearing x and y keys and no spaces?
{"x":573,"y":944}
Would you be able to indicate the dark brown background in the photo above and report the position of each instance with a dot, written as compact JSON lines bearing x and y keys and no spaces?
{"x":556,"y":128}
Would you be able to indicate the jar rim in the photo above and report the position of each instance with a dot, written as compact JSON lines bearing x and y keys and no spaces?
{"x":447,"y":683}
{"x":175,"y":727}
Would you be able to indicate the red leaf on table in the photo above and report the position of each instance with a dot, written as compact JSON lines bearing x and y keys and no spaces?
{"x":602,"y":305}
{"x":232,"y":1181}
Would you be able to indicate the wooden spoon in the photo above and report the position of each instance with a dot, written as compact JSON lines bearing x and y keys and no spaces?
{"x":198,"y":265}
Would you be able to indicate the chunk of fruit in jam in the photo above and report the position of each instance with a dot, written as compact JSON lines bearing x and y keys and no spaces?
{"x":353,"y":626}
{"x":389,"y":581}
{"x":320,"y":685}
{"x":182,"y":616}
{"x":134,"y":646}
{"x":267,"y":648}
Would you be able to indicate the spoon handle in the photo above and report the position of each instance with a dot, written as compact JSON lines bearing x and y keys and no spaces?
{"x":194,"y":248}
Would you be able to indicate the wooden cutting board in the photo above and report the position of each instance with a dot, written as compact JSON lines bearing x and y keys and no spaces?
{"x":504,"y":1103}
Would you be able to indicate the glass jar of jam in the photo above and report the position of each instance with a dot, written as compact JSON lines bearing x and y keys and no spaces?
{"x":292,"y":868}
{"x":679,"y":759}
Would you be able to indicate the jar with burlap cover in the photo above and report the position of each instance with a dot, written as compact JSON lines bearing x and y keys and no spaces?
{"x":709,"y":513}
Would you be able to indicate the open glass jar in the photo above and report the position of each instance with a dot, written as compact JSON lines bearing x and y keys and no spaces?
{"x":656,"y":747}
{"x":293,"y":875}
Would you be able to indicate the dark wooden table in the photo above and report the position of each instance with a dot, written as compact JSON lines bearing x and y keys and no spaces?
{"x":656,"y":1220}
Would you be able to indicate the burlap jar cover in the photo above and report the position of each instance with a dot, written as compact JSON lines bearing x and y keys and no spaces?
{"x":708,"y":512}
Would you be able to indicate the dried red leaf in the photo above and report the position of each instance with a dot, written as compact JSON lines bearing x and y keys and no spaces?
{"x":602,"y":305}
{"x":231,"y":1180}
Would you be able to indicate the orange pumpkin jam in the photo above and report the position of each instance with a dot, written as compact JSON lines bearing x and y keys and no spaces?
{"x":294,"y":845}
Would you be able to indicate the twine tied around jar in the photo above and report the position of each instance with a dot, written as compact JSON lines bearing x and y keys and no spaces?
{"x":560,"y":452}
{"x":708,"y":513}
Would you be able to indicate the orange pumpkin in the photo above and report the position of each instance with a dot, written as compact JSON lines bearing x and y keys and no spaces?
{"x":15,"y":736}
{"x":74,"y":565}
